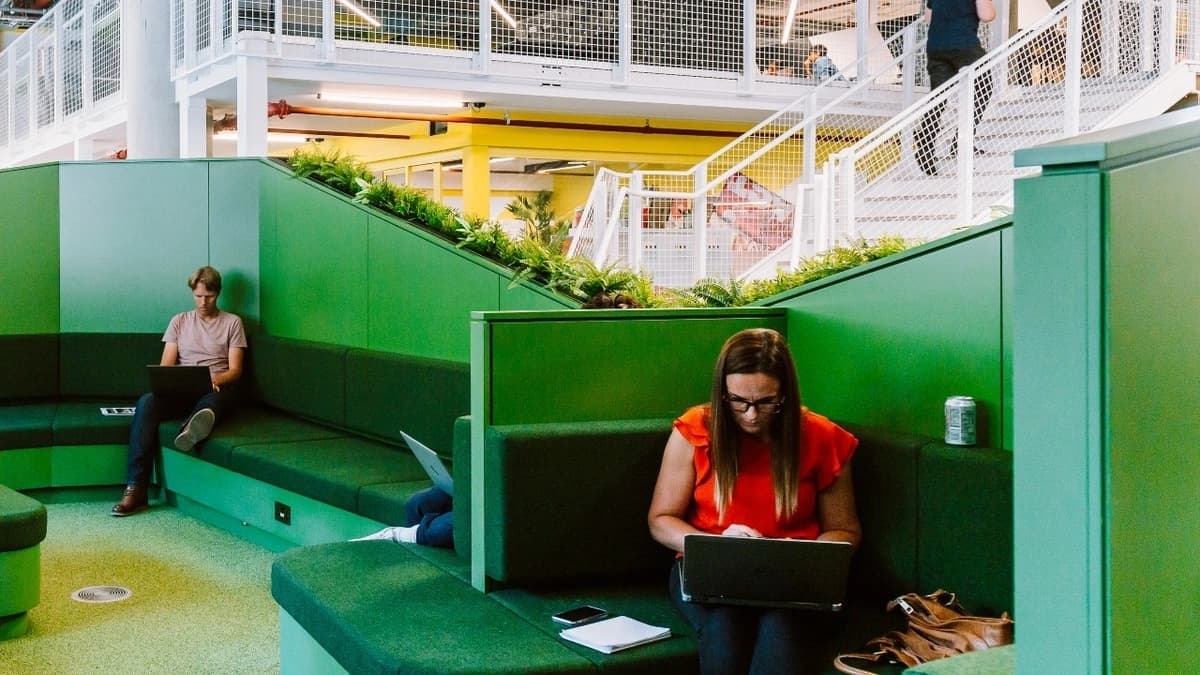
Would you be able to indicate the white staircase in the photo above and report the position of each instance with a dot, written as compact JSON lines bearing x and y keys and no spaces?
{"x":1088,"y":65}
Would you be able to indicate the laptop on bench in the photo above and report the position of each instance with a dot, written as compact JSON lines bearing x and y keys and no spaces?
{"x":433,"y":465}
{"x":182,"y":381}
{"x":764,"y":572}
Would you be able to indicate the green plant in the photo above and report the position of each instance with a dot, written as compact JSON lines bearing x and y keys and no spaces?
{"x":540,"y":222}
{"x":538,"y":255}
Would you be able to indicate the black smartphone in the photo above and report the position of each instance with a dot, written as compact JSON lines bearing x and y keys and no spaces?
{"x":579,"y":615}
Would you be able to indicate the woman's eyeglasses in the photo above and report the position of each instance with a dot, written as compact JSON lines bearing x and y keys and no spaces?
{"x":766,"y":406}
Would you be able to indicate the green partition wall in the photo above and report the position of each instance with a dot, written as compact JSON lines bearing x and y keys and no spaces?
{"x":337,"y":271}
{"x":887,"y":343}
{"x":29,"y":250}
{"x":1106,"y":388}
{"x":132,"y":232}
{"x":581,"y":366}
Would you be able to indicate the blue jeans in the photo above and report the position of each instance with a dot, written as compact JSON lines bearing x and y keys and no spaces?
{"x":432,"y":511}
{"x":734,"y":639}
{"x":151,"y":411}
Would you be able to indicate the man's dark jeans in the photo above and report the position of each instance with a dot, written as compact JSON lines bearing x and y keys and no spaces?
{"x":944,"y":64}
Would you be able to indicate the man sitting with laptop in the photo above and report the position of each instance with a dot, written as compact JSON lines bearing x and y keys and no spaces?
{"x":757,"y":467}
{"x":205,"y":337}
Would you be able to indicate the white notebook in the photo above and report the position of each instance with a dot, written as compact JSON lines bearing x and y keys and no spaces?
{"x":615,"y":634}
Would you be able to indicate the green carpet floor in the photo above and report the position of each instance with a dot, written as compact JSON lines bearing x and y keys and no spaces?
{"x":201,"y":598}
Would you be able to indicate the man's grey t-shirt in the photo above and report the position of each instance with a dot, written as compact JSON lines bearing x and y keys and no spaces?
{"x":206,"y":342}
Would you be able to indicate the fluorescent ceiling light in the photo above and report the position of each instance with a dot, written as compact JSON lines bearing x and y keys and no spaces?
{"x":561,"y":166}
{"x":457,"y":163}
{"x":353,"y":7}
{"x":499,"y":9}
{"x":788,"y":22}
{"x":394,"y":101}
{"x":272,"y":137}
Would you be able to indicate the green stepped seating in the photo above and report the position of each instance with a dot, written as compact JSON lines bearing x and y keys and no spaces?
{"x":22,"y":529}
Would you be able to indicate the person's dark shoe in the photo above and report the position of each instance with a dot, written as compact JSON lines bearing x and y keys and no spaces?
{"x":132,"y":501}
{"x":195,"y":430}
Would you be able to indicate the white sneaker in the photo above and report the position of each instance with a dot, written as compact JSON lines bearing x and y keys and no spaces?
{"x":196,"y":430}
{"x":403,"y":535}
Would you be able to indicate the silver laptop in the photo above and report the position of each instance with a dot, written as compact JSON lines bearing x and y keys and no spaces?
{"x":183,"y":381}
{"x":790,"y":573}
{"x":438,"y":473}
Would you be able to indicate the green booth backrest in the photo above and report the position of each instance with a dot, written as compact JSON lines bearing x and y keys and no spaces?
{"x":569,"y":501}
{"x":300,"y":377}
{"x":107,"y":364}
{"x":966,"y":520}
{"x":387,"y":393}
{"x":28,"y":366}
{"x":461,"y":468}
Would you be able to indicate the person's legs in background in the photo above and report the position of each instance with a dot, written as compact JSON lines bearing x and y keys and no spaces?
{"x":431,"y":511}
{"x":211,"y":408}
{"x":144,"y":449}
{"x":942,"y":66}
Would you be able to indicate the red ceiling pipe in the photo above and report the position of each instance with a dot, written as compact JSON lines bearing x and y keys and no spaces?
{"x":282,"y":108}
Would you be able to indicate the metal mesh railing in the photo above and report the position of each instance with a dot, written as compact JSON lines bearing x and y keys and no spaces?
{"x":753,"y":199}
{"x":65,"y":65}
{"x":946,"y":163}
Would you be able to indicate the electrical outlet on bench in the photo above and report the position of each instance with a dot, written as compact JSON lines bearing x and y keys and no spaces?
{"x":283,"y":513}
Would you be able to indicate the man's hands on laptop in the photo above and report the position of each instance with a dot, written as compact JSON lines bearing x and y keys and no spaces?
{"x":739,"y":530}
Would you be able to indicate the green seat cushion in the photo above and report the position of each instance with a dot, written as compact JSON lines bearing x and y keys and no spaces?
{"x":331,"y":470}
{"x":27,"y":425}
{"x":387,"y":393}
{"x":994,"y":661}
{"x":22,"y":520}
{"x":28,"y":366}
{"x":885,"y":492}
{"x":646,"y":602}
{"x":301,"y":377}
{"x":966,"y":506}
{"x":544,"y":480}
{"x":377,"y":607}
{"x":250,"y":425}
{"x":80,"y":423}
{"x":385,"y":501}
{"x":107,"y":364}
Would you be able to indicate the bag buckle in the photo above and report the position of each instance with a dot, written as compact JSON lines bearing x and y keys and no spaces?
{"x":903,"y":604}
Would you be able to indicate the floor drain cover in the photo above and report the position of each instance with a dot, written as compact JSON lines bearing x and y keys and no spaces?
{"x":101,"y":594}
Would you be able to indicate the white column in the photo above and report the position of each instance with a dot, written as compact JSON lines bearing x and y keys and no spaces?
{"x":251,"y":104}
{"x":85,"y":149}
{"x":194,"y":126}
{"x":152,"y":126}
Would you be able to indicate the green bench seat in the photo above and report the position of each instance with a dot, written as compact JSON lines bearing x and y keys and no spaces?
{"x":22,"y":529}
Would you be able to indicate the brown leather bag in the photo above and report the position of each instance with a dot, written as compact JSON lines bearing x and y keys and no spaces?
{"x":938,"y":627}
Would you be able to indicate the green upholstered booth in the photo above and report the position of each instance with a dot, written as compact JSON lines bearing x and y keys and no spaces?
{"x":22,"y":529}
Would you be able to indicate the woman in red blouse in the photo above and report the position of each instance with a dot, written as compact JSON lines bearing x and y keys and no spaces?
{"x":753,"y":462}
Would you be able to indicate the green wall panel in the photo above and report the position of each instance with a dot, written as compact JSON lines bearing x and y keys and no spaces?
{"x":619,"y":364}
{"x":422,"y":295}
{"x":1154,"y":389}
{"x":233,"y":207}
{"x":29,"y":250}
{"x":525,"y":297}
{"x":314,"y":278}
{"x":888,"y":346}
{"x":131,"y":233}
{"x":1057,"y":487}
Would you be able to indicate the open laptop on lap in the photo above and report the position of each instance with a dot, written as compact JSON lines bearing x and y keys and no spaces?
{"x":788,"y":573}
{"x":183,"y":381}
{"x":433,"y":465}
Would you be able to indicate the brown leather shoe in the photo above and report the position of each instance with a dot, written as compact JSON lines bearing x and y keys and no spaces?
{"x":134,"y":500}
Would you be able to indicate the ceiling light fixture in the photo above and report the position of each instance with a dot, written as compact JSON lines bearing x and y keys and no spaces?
{"x":457,"y":163}
{"x":556,"y":165}
{"x":272,"y":137}
{"x":788,"y":22}
{"x":499,"y":9}
{"x":353,"y":7}
{"x":395,"y":102}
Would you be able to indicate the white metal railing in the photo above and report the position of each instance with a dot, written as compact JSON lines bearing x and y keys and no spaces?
{"x":65,"y":68}
{"x":1077,"y":70}
{"x":756,"y":195}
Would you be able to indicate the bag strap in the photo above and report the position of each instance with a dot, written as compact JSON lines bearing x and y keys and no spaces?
{"x":839,"y":662}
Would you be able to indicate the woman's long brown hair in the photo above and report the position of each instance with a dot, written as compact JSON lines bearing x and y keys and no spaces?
{"x":756,"y":350}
